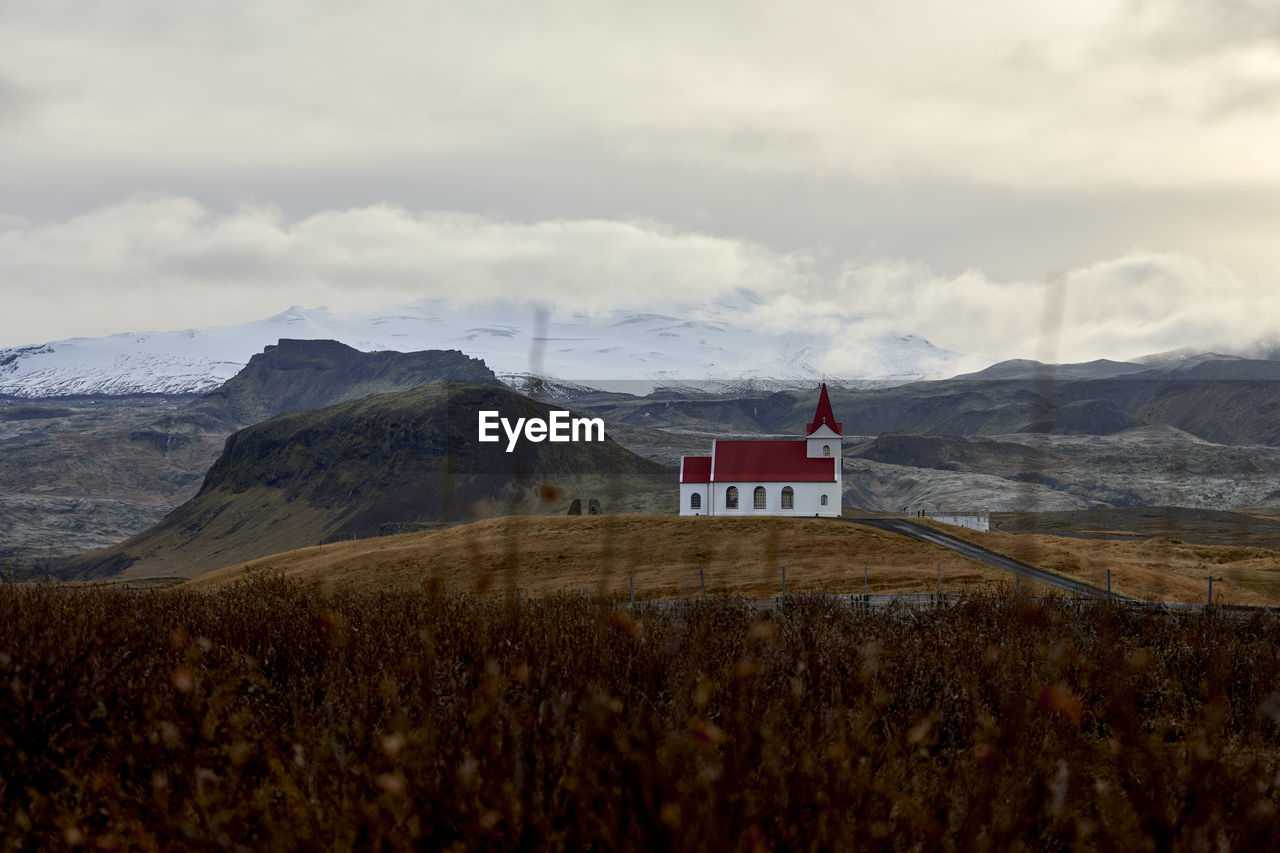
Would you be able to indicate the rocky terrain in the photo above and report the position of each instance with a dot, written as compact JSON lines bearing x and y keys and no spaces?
{"x":1146,"y":466}
{"x":88,"y":472}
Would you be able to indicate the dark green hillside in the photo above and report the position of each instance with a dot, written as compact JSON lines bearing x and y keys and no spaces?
{"x":378,"y":463}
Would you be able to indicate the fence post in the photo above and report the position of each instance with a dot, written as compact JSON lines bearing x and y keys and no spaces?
{"x":784,"y":584}
{"x":1209,"y":606}
{"x":1017,"y":585}
{"x":939,"y":583}
{"x":702,"y":579}
{"x":866,"y":592}
{"x":1108,"y":583}
{"x":632,"y":580}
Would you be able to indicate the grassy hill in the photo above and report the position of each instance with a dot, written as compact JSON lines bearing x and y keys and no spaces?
{"x":745,"y":556}
{"x":381,"y":462}
{"x":545,"y":555}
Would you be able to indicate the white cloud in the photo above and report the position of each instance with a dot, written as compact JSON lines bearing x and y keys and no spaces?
{"x":1122,"y":308}
{"x":1008,"y":137}
{"x":166,"y":262}
{"x":162,"y":262}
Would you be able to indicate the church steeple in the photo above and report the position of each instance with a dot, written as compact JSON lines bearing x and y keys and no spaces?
{"x":823,"y":416}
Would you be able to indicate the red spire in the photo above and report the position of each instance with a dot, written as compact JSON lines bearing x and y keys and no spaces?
{"x":824,"y":416}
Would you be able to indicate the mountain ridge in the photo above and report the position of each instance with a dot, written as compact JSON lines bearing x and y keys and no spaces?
{"x":693,"y":342}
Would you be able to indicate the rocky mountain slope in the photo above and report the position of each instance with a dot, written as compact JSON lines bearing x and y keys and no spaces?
{"x":89,"y":472}
{"x":374,"y":464}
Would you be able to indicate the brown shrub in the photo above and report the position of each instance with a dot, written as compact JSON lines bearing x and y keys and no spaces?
{"x":270,"y":715}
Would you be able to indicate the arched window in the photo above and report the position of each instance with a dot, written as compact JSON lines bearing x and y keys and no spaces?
{"x":695,"y":501}
{"x":731,"y":497}
{"x":788,"y":497}
{"x":826,"y":450}
{"x":760,"y":497}
{"x":823,"y":501}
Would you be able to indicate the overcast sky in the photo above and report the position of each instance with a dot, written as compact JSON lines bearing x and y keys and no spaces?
{"x":1008,"y":179}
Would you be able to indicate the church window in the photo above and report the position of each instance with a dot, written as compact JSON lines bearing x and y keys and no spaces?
{"x":731,"y":497}
{"x":788,"y":498}
{"x":695,"y":501}
{"x":826,"y":450}
{"x":824,"y":500}
{"x":759,"y":497}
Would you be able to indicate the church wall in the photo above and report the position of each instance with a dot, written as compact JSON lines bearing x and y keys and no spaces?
{"x":687,"y":490}
{"x":807,"y":499}
{"x":822,"y":438}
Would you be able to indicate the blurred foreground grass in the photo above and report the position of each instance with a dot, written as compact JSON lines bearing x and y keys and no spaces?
{"x":272,"y":715}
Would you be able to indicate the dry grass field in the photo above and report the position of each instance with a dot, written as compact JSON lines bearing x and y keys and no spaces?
{"x":272,"y":715}
{"x":1154,"y":569}
{"x":600,"y":554}
{"x":664,"y":554}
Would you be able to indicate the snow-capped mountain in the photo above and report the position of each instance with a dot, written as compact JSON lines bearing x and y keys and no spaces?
{"x":619,"y":350}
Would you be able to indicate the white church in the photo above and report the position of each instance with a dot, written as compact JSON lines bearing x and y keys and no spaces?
{"x":799,"y":476}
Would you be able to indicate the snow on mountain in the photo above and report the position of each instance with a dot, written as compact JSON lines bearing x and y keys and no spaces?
{"x":621,"y":350}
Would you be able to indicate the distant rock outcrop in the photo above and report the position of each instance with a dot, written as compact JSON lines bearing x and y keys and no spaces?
{"x":294,"y":375}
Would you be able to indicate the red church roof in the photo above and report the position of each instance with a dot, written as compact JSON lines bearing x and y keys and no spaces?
{"x":824,"y":416}
{"x":695,"y":469}
{"x":768,"y":462}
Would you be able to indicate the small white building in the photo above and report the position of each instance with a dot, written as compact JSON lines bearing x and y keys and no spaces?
{"x":799,"y":476}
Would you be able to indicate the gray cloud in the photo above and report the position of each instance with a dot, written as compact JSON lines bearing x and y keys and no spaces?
{"x":818,"y":88}
{"x":1183,"y":28}
{"x":166,"y":261}
{"x":16,"y":102}
{"x":962,"y":154}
